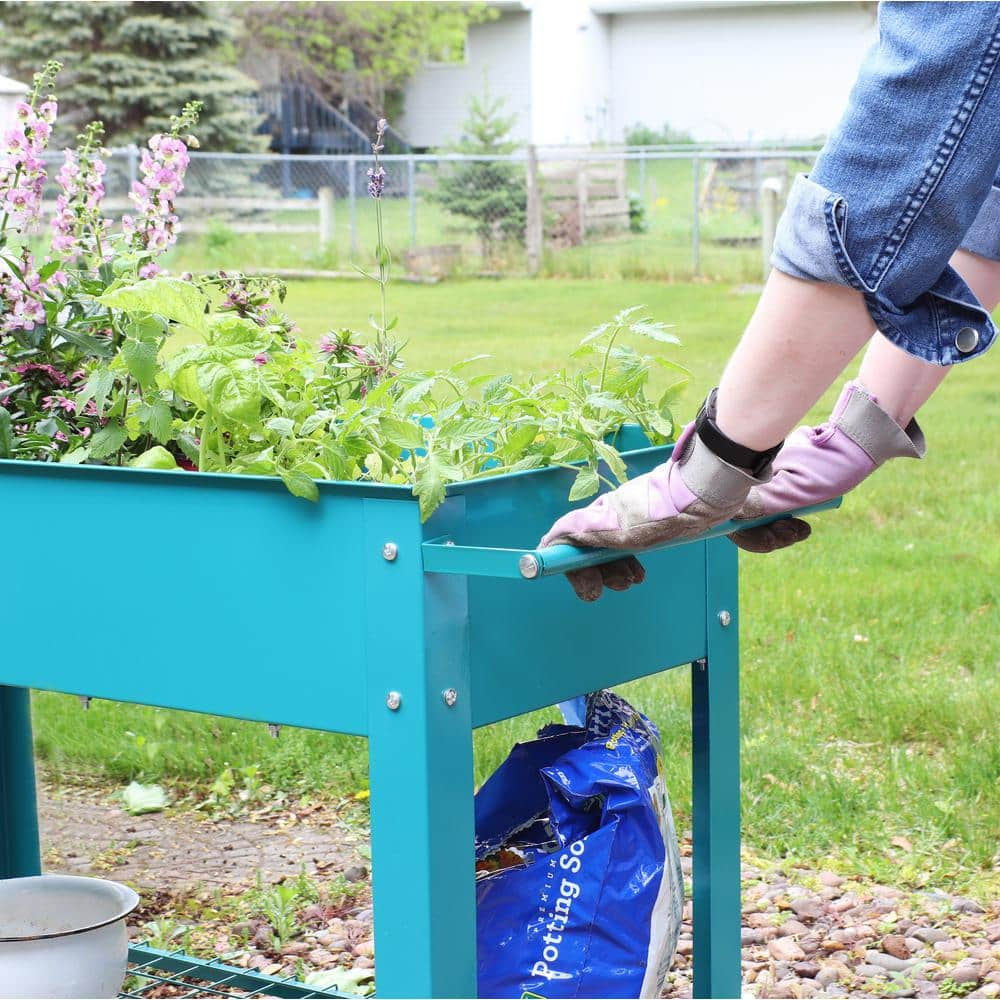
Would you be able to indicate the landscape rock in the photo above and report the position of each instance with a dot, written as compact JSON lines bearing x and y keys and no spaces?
{"x":871,"y":971}
{"x":889,"y":962}
{"x":364,"y":949}
{"x":929,"y":935}
{"x":784,"y":949}
{"x":807,"y":970}
{"x":356,"y":873}
{"x":895,"y":945}
{"x":792,"y":927}
{"x":827,"y":975}
{"x":967,"y":971}
{"x":807,"y":908}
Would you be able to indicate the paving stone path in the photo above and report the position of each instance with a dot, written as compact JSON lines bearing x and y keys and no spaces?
{"x":805,"y":933}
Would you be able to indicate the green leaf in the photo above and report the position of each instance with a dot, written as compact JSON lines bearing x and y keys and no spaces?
{"x":613,"y":460}
{"x":47,"y":270}
{"x":227,"y":329}
{"x":156,"y":457}
{"x":108,"y":440}
{"x":93,"y":346}
{"x":164,"y":296}
{"x":402,"y":433}
{"x":314,"y":422}
{"x":140,"y":359}
{"x":495,"y":390}
{"x":469,"y":431}
{"x":75,"y":457}
{"x":281,"y":426}
{"x":299,"y":484}
{"x":98,"y":387}
{"x":585,"y":485}
{"x":139,"y":799}
{"x":158,"y":418}
{"x":417,"y":391}
{"x":433,"y":475}
{"x":528,"y":462}
{"x":6,"y":435}
{"x":519,"y":439}
{"x":232,"y":389}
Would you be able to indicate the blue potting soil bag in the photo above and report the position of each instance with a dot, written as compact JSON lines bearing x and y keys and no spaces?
{"x":579,"y":881}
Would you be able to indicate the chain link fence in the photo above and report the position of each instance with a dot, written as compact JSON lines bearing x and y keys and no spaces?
{"x":654,"y":212}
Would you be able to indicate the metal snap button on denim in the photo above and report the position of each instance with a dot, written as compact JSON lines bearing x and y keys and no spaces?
{"x":966,"y":339}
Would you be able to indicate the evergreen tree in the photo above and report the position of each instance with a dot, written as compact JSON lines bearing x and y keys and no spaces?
{"x":133,"y":65}
{"x":492,"y":193}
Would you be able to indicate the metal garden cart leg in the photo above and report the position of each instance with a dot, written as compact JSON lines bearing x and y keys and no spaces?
{"x":447,"y":632}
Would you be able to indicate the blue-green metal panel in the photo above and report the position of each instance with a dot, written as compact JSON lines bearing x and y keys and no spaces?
{"x":210,"y":593}
{"x":420,"y":756}
{"x":534,"y":644}
{"x":715,"y":716}
{"x":19,"y":852}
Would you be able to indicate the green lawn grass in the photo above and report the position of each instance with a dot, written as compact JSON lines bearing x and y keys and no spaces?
{"x":869,"y":653}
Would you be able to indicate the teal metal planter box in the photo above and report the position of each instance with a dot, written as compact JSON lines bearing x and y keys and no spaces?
{"x":452,"y":624}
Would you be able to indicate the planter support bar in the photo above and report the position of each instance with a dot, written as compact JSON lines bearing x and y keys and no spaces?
{"x":443,"y":555}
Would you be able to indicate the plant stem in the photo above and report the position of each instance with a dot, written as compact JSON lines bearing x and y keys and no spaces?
{"x":607,"y":355}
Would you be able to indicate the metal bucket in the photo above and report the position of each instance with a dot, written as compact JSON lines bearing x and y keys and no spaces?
{"x":63,"y":936}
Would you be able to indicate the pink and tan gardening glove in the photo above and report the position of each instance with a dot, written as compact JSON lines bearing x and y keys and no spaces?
{"x":820,"y":463}
{"x":693,"y":491}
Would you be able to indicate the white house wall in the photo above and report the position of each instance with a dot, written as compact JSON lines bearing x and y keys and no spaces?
{"x":763,"y":72}
{"x":436,"y":101}
{"x":571,"y":73}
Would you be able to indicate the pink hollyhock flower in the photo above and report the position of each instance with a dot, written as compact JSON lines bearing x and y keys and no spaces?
{"x":150,"y":270}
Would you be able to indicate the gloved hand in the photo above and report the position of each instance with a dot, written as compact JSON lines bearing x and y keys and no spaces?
{"x":820,"y":463}
{"x":691,"y":492}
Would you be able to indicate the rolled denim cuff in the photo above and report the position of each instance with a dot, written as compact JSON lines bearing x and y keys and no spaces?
{"x":983,"y":236}
{"x":802,"y":246}
{"x":943,"y":325}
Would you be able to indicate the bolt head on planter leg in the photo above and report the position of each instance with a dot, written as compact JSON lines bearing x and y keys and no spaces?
{"x":725,"y":618}
{"x":393,"y":700}
{"x":389,"y":551}
{"x":450,"y":696}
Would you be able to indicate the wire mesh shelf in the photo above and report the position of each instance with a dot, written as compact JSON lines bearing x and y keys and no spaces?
{"x":171,"y":975}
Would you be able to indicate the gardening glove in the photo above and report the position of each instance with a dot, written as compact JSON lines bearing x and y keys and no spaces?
{"x":694,"y":490}
{"x":820,"y":463}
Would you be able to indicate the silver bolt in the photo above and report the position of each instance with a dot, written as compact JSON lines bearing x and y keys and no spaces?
{"x":528,"y":565}
{"x":85,"y":700}
{"x":450,"y":696}
{"x":393,"y":700}
{"x":725,"y":619}
{"x":389,"y":551}
{"x":701,"y":664}
{"x":273,"y":729}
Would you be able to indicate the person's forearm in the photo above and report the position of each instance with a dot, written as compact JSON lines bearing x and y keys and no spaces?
{"x":800,"y":338}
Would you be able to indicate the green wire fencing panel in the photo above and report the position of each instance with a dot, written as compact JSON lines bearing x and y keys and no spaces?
{"x":172,"y":975}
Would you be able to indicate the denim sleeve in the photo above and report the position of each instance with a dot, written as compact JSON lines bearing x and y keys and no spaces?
{"x":903,"y":177}
{"x":983,"y":236}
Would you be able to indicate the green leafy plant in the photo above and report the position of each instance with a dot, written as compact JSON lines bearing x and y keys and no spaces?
{"x":93,"y":382}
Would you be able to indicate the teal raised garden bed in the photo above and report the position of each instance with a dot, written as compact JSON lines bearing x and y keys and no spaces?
{"x":462,"y":604}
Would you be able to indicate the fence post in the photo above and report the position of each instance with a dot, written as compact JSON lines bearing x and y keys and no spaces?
{"x":770,"y":195}
{"x":642,"y":176}
{"x":533,"y":221}
{"x":133,"y":164}
{"x":326,"y":217}
{"x":352,"y":197}
{"x":695,"y":232}
{"x":411,"y":190}
{"x":582,"y":194}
